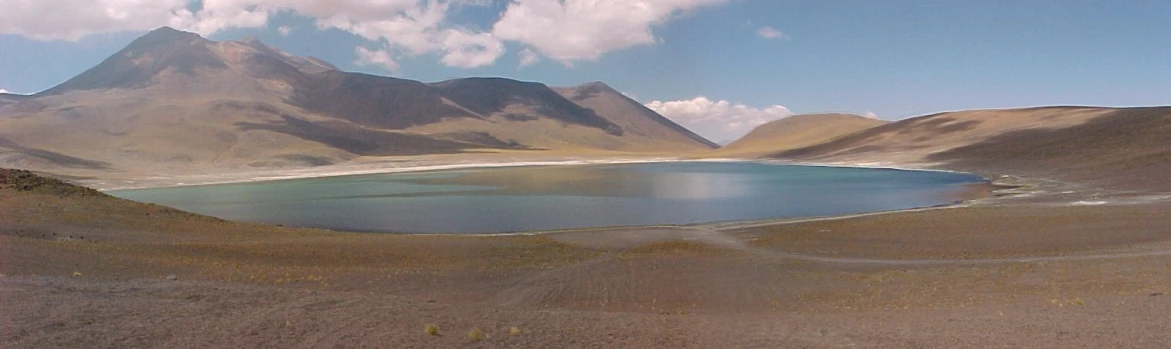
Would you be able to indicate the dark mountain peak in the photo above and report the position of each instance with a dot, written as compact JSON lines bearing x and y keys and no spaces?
{"x":162,"y":38}
{"x":138,"y":63}
{"x":168,"y":33}
{"x":595,"y":84}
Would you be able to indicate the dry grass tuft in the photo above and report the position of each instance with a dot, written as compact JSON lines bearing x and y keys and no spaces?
{"x":476,"y":335}
{"x":514,"y":331}
{"x":431,"y":329}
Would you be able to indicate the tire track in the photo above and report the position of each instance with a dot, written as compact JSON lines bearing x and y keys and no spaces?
{"x":718,"y":238}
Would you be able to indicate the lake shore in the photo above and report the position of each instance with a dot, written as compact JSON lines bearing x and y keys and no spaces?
{"x":585,"y":195}
{"x":361,"y":167}
{"x":1034,"y":269}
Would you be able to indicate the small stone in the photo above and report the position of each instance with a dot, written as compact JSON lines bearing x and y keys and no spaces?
{"x":172,"y":277}
{"x":1156,"y":294}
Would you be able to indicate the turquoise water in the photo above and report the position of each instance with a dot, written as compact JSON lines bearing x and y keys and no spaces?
{"x":561,"y":197}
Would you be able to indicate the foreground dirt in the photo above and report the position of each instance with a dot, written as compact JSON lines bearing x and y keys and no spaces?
{"x":81,"y":269}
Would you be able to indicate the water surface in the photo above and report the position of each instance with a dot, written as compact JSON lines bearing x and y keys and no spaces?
{"x":561,"y":197}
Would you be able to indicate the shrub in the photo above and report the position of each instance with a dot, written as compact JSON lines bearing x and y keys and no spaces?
{"x":476,"y":335}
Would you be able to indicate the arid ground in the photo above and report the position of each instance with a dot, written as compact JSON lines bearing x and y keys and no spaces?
{"x":1066,"y":266}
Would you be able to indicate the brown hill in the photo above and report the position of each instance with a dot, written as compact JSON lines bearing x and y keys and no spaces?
{"x":1115,"y":148}
{"x":794,"y":132}
{"x":174,"y":101}
{"x":629,"y":114}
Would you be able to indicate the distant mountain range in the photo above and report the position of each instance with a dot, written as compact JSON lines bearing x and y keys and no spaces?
{"x":1114,"y":148}
{"x":174,"y":99}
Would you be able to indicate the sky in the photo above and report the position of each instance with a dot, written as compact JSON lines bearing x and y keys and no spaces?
{"x":718,"y":67}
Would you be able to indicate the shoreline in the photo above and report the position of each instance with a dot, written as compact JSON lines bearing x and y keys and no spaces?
{"x":308,"y":173}
{"x":994,"y":192}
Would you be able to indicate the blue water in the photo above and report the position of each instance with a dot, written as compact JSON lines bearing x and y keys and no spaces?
{"x":561,"y":197}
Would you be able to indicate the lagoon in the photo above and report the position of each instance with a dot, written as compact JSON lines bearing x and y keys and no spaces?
{"x":495,"y":200}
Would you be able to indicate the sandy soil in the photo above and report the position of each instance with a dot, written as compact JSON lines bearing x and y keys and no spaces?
{"x":85,"y":270}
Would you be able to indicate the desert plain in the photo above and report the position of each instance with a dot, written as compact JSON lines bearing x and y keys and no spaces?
{"x":1043,"y":263}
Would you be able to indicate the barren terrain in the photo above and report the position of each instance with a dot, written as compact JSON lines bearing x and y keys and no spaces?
{"x":82,"y":269}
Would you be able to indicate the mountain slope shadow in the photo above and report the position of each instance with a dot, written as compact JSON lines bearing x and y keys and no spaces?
{"x":1129,"y":144}
{"x":54,"y":157}
{"x":486,"y":96}
{"x":359,"y":141}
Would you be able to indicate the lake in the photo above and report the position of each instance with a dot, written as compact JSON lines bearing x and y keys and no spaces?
{"x":562,"y":197}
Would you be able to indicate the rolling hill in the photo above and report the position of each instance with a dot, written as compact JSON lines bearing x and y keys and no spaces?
{"x":1112,"y":148}
{"x":794,"y":132}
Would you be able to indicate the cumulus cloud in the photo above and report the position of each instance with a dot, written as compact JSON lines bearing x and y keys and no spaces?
{"x":378,"y":58}
{"x":3,"y":91}
{"x":563,"y":30}
{"x":717,"y":119}
{"x":469,"y":50}
{"x":572,"y":30}
{"x":284,"y":30}
{"x":73,"y":19}
{"x":768,"y":33}
{"x":528,"y":57}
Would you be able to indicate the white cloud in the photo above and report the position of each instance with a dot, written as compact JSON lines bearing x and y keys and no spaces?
{"x":469,"y":50}
{"x":870,"y":114}
{"x":572,"y":30}
{"x":3,"y":91}
{"x":73,"y":19}
{"x":379,"y":58}
{"x":717,"y":119}
{"x":528,"y":57}
{"x":414,"y":28}
{"x":768,"y":33}
{"x":563,"y":30}
{"x":284,"y":30}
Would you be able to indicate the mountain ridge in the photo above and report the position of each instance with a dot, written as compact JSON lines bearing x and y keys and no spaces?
{"x":172,"y":101}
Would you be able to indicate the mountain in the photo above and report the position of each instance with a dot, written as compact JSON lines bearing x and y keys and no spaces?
{"x":629,"y":114}
{"x":794,"y":132}
{"x":175,"y":101}
{"x":1114,"y":148}
{"x":8,"y":98}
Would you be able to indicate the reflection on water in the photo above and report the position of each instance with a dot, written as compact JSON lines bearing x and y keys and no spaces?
{"x":541,"y":198}
{"x":612,"y":181}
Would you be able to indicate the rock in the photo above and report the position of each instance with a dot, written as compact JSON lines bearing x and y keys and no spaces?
{"x":1156,"y":294}
{"x":172,"y":277}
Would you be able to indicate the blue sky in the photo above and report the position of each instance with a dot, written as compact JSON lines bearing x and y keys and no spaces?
{"x":704,"y":63}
